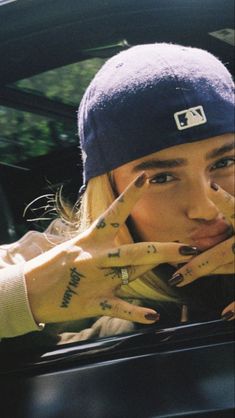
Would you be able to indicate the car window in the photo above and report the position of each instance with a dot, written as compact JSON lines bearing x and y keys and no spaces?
{"x":26,"y":134}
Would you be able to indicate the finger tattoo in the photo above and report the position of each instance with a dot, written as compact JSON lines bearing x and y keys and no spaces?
{"x":151,"y":249}
{"x":116,"y":254}
{"x":188,"y":272}
{"x":115,"y":225}
{"x":105,"y":305}
{"x":203,"y":264}
{"x":101,"y":223}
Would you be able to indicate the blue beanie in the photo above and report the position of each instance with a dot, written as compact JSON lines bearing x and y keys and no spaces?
{"x":152,"y":97}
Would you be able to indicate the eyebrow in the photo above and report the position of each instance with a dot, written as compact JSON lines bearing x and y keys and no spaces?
{"x":156,"y":163}
{"x":180,"y":162}
{"x":217,"y":152}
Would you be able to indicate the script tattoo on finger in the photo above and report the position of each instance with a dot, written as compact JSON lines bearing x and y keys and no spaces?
{"x":101,"y":223}
{"x":151,"y":249}
{"x":105,"y":305}
{"x":116,"y":254}
{"x":74,"y":280}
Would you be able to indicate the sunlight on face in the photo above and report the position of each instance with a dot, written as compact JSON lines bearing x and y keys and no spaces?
{"x":178,"y":205}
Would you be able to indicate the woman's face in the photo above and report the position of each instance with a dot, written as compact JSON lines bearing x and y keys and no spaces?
{"x":178,"y":205}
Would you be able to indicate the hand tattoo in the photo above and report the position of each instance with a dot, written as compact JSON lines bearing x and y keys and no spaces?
{"x":75,"y":278}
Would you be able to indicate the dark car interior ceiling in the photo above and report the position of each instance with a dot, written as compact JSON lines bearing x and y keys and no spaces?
{"x":70,"y":30}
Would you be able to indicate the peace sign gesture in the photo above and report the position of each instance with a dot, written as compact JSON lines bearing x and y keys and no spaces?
{"x":79,"y":278}
{"x":218,"y":259}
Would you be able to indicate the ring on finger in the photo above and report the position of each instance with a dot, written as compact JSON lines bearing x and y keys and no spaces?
{"x":124,"y":275}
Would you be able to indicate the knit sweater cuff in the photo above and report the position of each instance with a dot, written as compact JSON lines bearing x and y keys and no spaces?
{"x":15,"y":314}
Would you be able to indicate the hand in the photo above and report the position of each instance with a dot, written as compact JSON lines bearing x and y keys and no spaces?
{"x":78,"y":279}
{"x":218,"y":259}
{"x":229,"y":312}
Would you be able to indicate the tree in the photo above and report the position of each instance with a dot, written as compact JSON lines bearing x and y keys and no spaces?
{"x":24,"y":135}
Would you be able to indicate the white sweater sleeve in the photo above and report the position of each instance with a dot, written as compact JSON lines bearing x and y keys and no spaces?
{"x":15,"y":314}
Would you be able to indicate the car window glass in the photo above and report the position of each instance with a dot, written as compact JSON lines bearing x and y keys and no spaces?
{"x":25,"y":134}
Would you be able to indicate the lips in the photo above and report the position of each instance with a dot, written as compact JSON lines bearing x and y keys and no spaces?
{"x":209,"y":235}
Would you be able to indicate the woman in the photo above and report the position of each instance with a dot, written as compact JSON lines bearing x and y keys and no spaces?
{"x":156,"y":127}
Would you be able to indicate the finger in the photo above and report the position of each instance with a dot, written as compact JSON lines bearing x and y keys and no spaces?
{"x":204,"y":263}
{"x":120,"y":209}
{"x":224,"y":201}
{"x":119,"y":308}
{"x":225,"y":269}
{"x":143,"y":253}
{"x":228,"y":313}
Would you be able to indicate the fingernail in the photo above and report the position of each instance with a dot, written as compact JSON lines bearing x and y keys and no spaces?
{"x":141,"y":180}
{"x":214,"y":186}
{"x":187,"y":250}
{"x":152,"y":316}
{"x":228,"y":315}
{"x":233,"y":248}
{"x":176,"y":279}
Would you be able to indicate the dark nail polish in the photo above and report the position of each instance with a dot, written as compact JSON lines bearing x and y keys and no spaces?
{"x":233,"y":248}
{"x":176,"y":279}
{"x":152,"y":316}
{"x":214,"y":186}
{"x":140,"y":180}
{"x":187,"y":250}
{"x":228,"y":315}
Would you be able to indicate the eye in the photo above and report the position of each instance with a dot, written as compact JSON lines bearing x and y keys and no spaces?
{"x":161,"y":178}
{"x":223,"y":163}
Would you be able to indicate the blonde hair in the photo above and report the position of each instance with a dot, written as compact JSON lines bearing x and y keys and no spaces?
{"x":96,"y":199}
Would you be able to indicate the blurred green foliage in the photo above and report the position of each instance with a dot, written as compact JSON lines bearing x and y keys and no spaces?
{"x":24,"y":135}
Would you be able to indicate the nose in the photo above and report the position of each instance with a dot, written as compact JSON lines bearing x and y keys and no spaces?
{"x":200,"y":206}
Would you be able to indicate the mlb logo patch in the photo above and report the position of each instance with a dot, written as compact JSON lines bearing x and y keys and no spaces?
{"x":188,"y":118}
